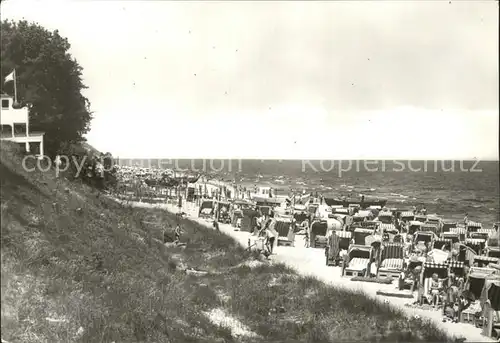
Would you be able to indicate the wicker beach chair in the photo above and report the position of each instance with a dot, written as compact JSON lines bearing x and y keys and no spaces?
{"x":440,"y":242}
{"x":358,"y":261}
{"x":317,"y":234}
{"x":336,"y":243}
{"x":448,"y":225}
{"x":390,"y":229}
{"x":476,"y":244}
{"x":461,"y":231}
{"x":456,"y":267}
{"x":360,"y":234}
{"x":493,"y":252}
{"x":391,"y":260}
{"x":286,"y":234}
{"x":473,"y":226}
{"x":428,"y":269}
{"x":407,"y":216}
{"x":453,"y":236}
{"x":479,"y":235}
{"x":490,"y":297}
{"x":483,"y":261}
{"x":490,"y":232}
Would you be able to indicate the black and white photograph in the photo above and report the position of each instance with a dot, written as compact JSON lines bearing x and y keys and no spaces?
{"x":249,"y":171}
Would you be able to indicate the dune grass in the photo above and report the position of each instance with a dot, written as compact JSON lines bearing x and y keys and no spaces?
{"x":78,"y":267}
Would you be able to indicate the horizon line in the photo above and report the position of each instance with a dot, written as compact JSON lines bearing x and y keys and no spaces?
{"x":312,"y":159}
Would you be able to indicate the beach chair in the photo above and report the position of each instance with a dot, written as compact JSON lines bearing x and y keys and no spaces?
{"x":448,"y":225}
{"x":391,"y":260}
{"x":466,"y":254}
{"x":398,"y":238}
{"x":385,"y":217}
{"x":493,"y":252}
{"x":423,"y":236}
{"x":456,"y":267}
{"x":317,"y":234}
{"x":461,"y":231}
{"x":473,"y":226}
{"x":236,"y":219}
{"x":428,"y":269}
{"x":491,"y":306}
{"x":360,"y":234}
{"x":420,"y":218}
{"x":484,"y":261}
{"x":336,"y":244}
{"x":479,"y":235}
{"x":369,"y":224}
{"x":358,"y":261}
{"x":249,"y":220}
{"x":407,"y":216}
{"x":414,"y":226}
{"x":489,"y":232}
{"x":390,"y":229}
{"x":475,"y":244}
{"x":476,"y":280}
{"x":468,"y":316}
{"x":409,"y":280}
{"x":286,"y":234}
{"x":435,"y":228}
{"x":453,"y":236}
{"x":206,"y":210}
{"x":434,"y":220}
{"x":440,"y":242}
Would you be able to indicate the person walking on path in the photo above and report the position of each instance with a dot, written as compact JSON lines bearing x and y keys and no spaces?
{"x":216,"y":225}
{"x":306,"y":238}
{"x":271,"y":236}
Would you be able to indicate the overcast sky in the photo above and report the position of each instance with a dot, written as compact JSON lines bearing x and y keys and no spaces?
{"x":396,"y":79}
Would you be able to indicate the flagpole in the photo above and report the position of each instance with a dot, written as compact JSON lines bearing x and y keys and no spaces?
{"x":15,"y":87}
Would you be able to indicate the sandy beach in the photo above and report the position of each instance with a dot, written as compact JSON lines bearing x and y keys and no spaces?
{"x":311,"y":262}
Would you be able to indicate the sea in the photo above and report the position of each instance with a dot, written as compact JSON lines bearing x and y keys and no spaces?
{"x":445,"y":187}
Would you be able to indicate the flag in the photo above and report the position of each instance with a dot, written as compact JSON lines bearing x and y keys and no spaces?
{"x":9,"y":77}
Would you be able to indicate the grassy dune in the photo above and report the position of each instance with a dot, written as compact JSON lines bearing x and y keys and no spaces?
{"x":78,"y":267}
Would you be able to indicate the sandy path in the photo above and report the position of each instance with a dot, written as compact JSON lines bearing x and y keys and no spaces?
{"x":311,"y":262}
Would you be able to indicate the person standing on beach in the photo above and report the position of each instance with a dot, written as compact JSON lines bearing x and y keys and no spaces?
{"x":177,"y":233}
{"x":466,"y":219}
{"x":306,"y":238}
{"x":271,"y":237}
{"x":179,"y":204}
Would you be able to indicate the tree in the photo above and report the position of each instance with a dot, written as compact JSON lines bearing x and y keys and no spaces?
{"x":49,"y":79}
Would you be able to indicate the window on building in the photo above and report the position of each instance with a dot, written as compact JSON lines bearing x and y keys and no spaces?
{"x":6,"y":130}
{"x":5,"y":103}
{"x":20,"y":128}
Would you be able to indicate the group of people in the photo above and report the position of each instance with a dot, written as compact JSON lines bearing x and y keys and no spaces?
{"x":447,"y":293}
{"x":265,"y":225}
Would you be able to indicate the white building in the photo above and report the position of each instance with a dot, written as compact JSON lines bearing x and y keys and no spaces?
{"x":15,"y":126}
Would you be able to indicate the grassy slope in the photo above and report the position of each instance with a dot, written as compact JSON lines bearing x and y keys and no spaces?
{"x":68,"y":253}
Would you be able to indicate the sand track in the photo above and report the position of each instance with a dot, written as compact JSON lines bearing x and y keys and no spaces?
{"x":311,"y":262}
